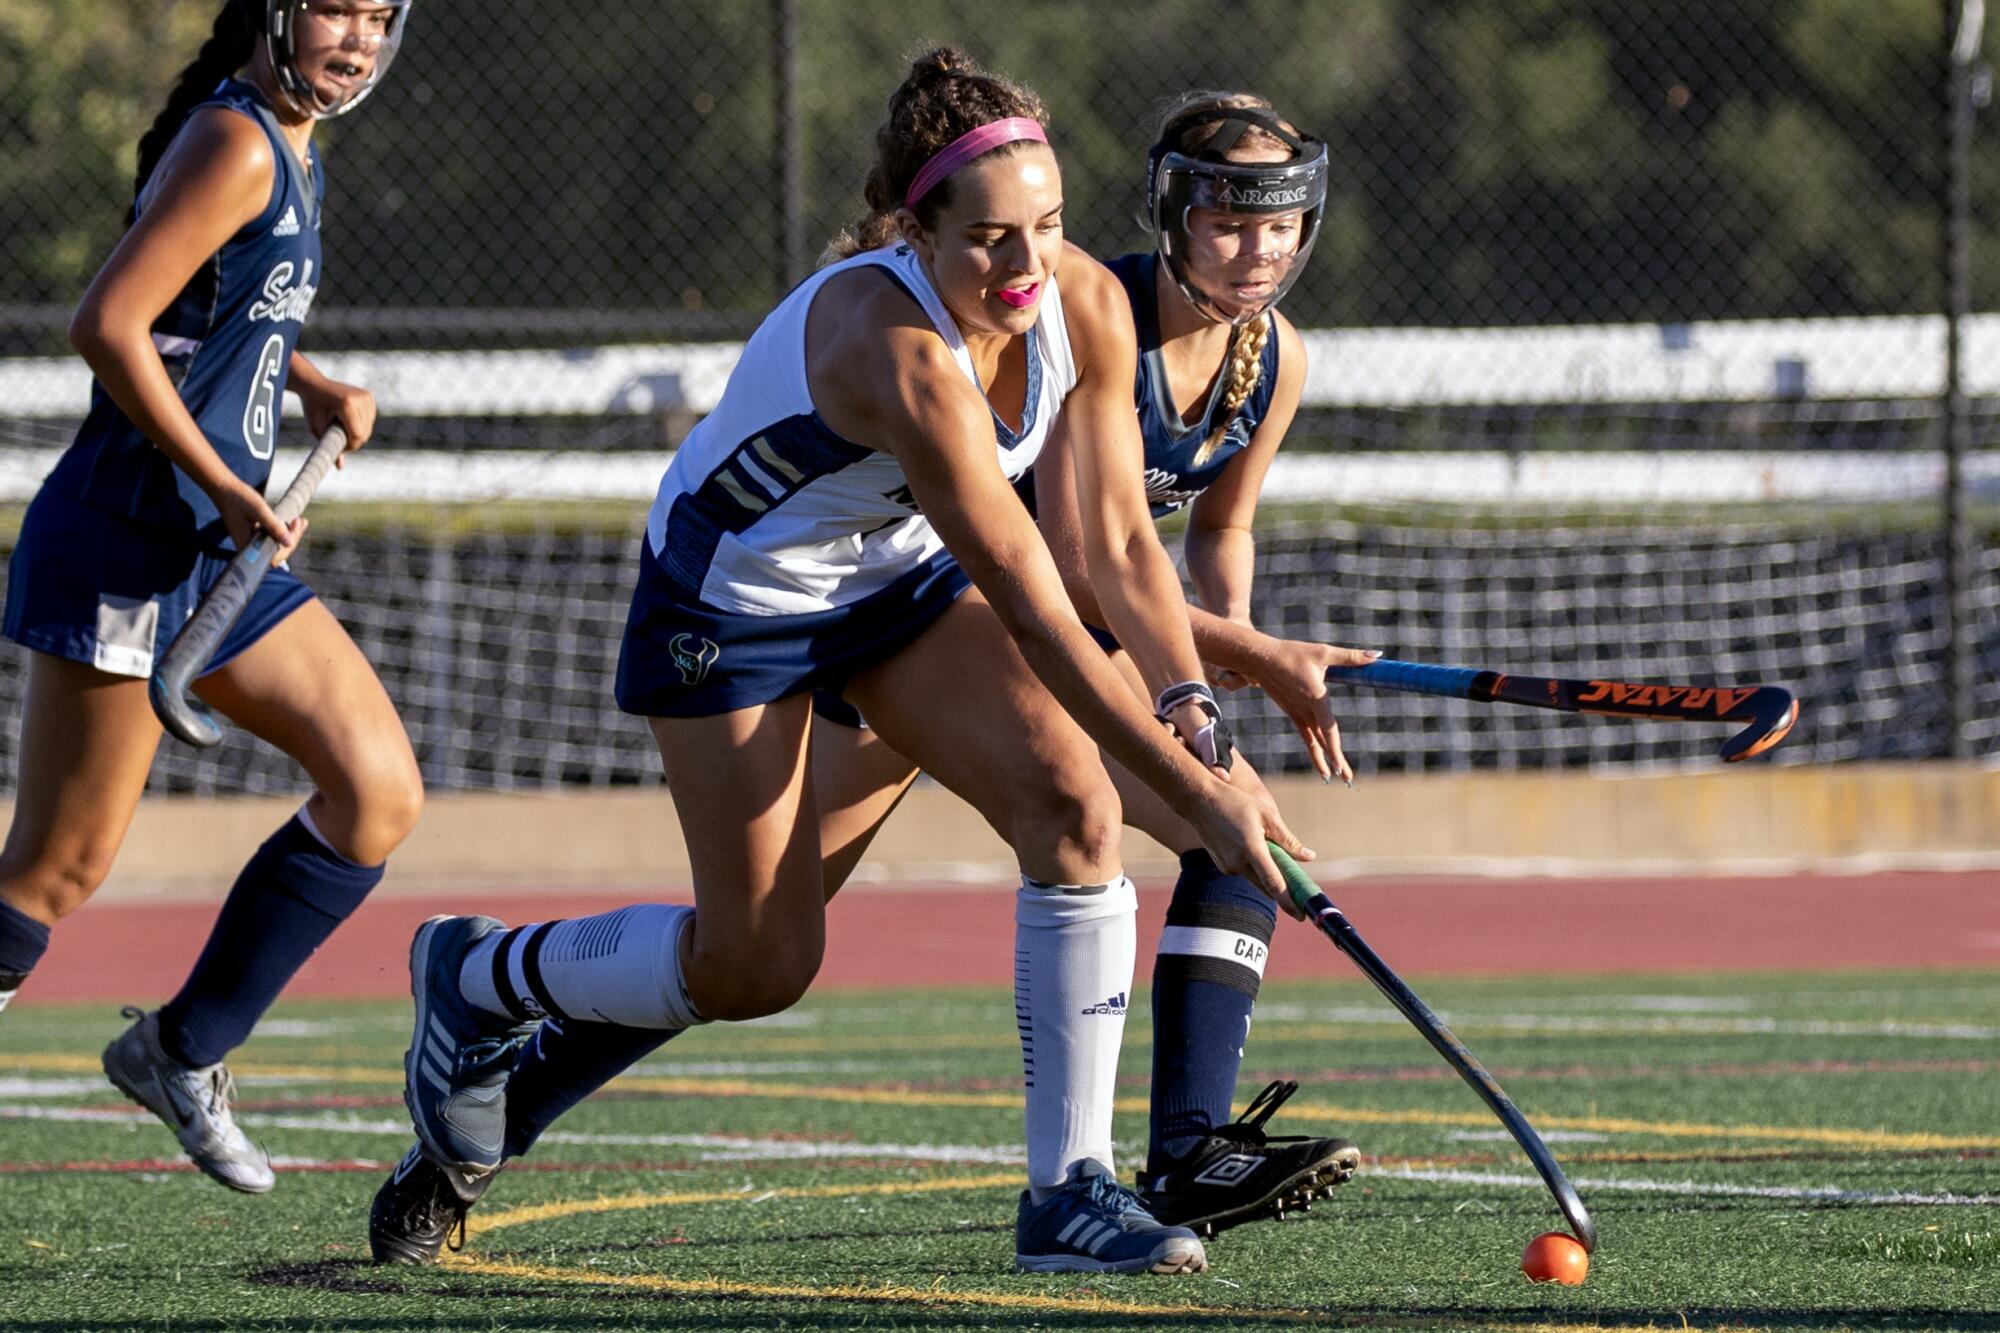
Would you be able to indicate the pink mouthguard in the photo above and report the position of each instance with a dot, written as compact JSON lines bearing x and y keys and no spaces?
{"x":1021,"y":298}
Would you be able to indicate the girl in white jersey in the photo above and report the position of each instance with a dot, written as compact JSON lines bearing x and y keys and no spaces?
{"x":1236,"y":195}
{"x":845,"y":520}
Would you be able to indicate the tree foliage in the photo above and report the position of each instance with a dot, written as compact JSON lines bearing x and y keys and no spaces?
{"x":1497,"y":161}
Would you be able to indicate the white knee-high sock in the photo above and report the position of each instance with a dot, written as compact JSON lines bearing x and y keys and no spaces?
{"x":619,"y":967}
{"x":1073,"y":953}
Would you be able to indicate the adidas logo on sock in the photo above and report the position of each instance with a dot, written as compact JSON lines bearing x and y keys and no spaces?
{"x":1114,"y":1005}
{"x":288,"y":225}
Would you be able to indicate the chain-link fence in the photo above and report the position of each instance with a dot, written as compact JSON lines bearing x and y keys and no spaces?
{"x":1631,"y":327}
{"x":594,"y":170}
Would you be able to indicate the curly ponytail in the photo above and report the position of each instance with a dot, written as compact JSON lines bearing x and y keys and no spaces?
{"x":1239,"y":370}
{"x":945,"y":95}
{"x":229,"y":47}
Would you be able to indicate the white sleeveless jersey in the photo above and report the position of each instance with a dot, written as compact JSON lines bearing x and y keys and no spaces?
{"x":766,"y":511}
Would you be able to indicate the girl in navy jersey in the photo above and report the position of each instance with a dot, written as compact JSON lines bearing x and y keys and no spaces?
{"x":845,"y":521}
{"x":1234,"y":195}
{"x":191,"y":329}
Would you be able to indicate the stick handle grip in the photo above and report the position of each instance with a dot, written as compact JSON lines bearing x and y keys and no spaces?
{"x":311,"y":472}
{"x":1297,"y":883}
{"x":1409,"y":677}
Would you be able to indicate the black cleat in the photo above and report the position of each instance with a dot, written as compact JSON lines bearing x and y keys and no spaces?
{"x":1241,"y":1174}
{"x":420,"y":1209}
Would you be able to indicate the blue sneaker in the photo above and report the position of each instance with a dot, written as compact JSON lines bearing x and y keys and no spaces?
{"x":455,"y":1072}
{"x":1095,"y":1225}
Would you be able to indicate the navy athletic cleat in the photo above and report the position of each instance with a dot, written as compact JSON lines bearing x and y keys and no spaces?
{"x":420,"y":1209}
{"x":1095,"y":1225}
{"x":1240,"y":1174}
{"x":455,"y":1072}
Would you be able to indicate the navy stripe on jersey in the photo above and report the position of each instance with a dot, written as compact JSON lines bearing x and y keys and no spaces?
{"x":759,"y":475}
{"x":1009,"y":438}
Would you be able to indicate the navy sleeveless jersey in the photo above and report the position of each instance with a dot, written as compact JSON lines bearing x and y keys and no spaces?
{"x":227,"y":341}
{"x":1172,"y":479}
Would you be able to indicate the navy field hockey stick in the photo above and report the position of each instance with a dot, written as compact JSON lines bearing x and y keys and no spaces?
{"x":1320,"y":910}
{"x":179,"y":711}
{"x":1769,"y":710}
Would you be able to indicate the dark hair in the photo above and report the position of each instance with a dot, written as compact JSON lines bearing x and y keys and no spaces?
{"x":229,"y":46}
{"x":944,"y":96}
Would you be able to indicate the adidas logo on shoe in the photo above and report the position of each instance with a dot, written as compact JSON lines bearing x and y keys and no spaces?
{"x":1114,"y":1005}
{"x":288,"y":225}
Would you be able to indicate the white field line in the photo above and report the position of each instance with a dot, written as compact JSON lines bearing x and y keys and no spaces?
{"x":1695,"y":1188}
{"x":1627,"y":1026}
{"x":1502,"y":1136}
{"x":714,"y":1147}
{"x":50,"y":1087}
{"x":736,"y":1068}
{"x":707,"y":1147}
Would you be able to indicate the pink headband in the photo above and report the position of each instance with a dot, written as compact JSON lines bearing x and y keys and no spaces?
{"x":968,"y":146}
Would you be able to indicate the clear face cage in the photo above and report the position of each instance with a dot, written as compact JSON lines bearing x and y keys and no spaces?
{"x":1179,"y":183}
{"x":282,"y":21}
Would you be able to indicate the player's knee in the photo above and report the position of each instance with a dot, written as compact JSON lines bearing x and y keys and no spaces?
{"x":396,"y":802}
{"x":382,"y":806}
{"x":51,"y":886}
{"x":1097,"y":822}
{"x":777,"y":978}
{"x":1075,"y":816}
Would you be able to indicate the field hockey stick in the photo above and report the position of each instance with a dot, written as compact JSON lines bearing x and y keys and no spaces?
{"x":178,"y":710}
{"x":1770,"y":710}
{"x":1335,"y":925}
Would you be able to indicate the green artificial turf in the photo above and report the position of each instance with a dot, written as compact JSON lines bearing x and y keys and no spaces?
{"x":1784,"y":1152}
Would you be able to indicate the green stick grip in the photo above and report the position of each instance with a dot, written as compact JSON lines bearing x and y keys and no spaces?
{"x":1297,"y":883}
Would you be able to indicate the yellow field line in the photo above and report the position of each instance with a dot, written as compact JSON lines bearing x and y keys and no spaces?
{"x":939,"y":1296}
{"x":49,"y":1062}
{"x":1877,"y":1140}
{"x":542,"y":1212}
{"x":934,"y":1296}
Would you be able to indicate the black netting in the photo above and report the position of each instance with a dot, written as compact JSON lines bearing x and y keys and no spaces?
{"x":1627,"y":326}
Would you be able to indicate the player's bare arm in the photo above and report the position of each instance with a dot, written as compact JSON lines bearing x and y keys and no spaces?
{"x":216,"y":179}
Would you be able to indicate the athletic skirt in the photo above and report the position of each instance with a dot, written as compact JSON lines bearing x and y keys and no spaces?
{"x":110,"y":592}
{"x":681,"y":658}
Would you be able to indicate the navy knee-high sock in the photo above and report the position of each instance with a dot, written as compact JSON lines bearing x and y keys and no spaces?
{"x":23,"y":941}
{"x":1205,"y":981}
{"x":565,"y":1063}
{"x":284,"y":904}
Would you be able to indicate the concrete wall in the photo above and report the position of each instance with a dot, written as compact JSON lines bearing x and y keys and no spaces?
{"x":1852,"y":817}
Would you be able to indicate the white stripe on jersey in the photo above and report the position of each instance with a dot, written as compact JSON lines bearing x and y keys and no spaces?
{"x":809,"y":521}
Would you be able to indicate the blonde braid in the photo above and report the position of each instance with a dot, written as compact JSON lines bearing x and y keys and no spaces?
{"x":1246,"y":357}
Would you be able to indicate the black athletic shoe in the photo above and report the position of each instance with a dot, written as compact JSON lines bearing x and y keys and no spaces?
{"x":1240,"y":1174}
{"x":420,"y":1209}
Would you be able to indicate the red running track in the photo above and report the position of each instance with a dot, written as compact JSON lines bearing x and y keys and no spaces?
{"x":912,"y":936}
